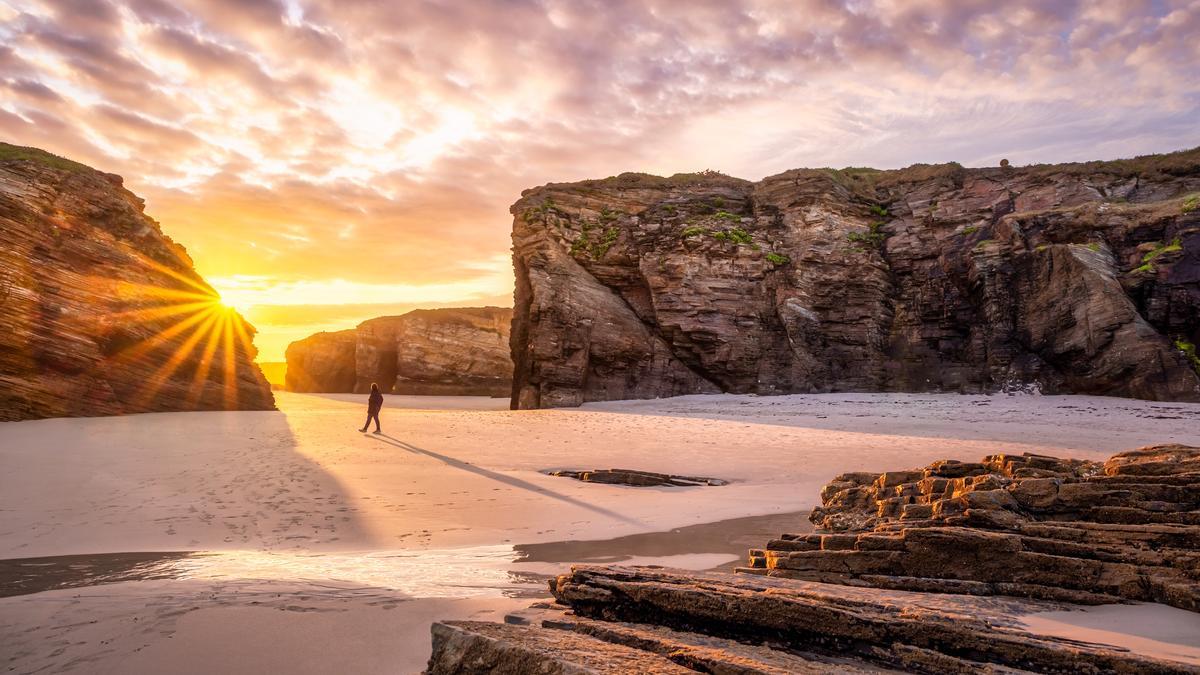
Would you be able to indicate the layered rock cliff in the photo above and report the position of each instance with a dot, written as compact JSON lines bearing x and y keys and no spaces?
{"x":322,"y":362}
{"x":452,"y":351}
{"x":102,"y":313}
{"x":1073,"y":278}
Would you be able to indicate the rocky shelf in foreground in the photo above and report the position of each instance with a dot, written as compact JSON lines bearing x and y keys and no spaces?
{"x":459,"y":351}
{"x":1087,"y":532}
{"x":636,"y":478}
{"x":1072,"y":278}
{"x":928,"y":571}
{"x":103,"y":314}
{"x":647,"y":620}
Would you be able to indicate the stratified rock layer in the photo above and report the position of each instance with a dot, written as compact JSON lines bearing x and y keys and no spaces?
{"x":322,"y":362}
{"x":911,"y":578}
{"x":451,"y":351}
{"x":1076,"y":278}
{"x":102,"y":313}
{"x":656,"y":620}
{"x":1027,"y":525}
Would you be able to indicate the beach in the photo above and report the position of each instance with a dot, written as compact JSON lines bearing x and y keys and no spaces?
{"x":290,"y":540}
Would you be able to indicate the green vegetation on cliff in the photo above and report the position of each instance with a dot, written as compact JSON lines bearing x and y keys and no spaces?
{"x":18,"y":152}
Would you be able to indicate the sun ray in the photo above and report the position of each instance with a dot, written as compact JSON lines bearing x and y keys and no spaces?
{"x":161,"y":311}
{"x":141,"y":348}
{"x":126,"y":289}
{"x":159,"y":377}
{"x":230,"y":380}
{"x":239,"y":329}
{"x":163,"y":269}
{"x":199,"y":378}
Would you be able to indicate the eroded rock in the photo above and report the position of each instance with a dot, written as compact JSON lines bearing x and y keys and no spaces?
{"x":646,"y":618}
{"x":1029,"y":525}
{"x":932,"y":570}
{"x":1074,"y":278}
{"x":450,"y":351}
{"x":103,"y":314}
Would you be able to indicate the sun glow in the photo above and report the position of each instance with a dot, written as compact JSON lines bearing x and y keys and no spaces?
{"x":184,"y":327}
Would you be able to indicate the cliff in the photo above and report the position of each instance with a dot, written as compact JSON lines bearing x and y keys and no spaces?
{"x":322,"y":362}
{"x":102,"y":313}
{"x":452,"y":351}
{"x":1073,"y":278}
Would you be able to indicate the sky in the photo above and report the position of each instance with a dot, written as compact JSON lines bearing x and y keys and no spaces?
{"x":329,"y":161}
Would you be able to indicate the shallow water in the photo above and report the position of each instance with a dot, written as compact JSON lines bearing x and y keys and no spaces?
{"x":515,"y":571}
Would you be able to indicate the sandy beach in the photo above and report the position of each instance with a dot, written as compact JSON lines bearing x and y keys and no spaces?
{"x":344,"y":546}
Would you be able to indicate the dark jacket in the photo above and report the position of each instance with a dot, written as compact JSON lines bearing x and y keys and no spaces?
{"x":375,"y":402}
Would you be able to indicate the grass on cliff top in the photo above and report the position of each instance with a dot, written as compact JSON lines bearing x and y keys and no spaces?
{"x":20,"y":152}
{"x":865,"y":183}
{"x":1175,"y":245}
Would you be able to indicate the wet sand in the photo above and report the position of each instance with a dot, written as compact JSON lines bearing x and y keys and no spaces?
{"x":299,"y":611}
{"x":307,"y":544}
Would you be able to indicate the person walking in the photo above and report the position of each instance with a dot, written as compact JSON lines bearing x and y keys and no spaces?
{"x":374,"y":404}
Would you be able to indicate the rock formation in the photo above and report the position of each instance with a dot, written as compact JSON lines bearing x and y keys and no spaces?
{"x":102,"y":313}
{"x":651,"y":620}
{"x":635,"y":478}
{"x":1073,"y":278}
{"x":322,"y":362}
{"x":1025,"y":525}
{"x":929,"y":571}
{"x":451,"y":351}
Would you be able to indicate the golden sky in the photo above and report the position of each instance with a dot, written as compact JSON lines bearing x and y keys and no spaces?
{"x":328,"y":161}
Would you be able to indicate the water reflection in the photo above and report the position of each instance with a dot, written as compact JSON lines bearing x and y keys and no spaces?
{"x":475,"y":571}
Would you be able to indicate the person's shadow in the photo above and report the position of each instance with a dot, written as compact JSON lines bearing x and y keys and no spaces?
{"x":507,"y":480}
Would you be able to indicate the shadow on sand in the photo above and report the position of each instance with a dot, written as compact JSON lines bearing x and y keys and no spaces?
{"x":501,"y":478}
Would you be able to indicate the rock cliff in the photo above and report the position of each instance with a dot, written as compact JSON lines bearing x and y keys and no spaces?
{"x":452,"y":351}
{"x":1073,"y":278}
{"x":102,"y":313}
{"x":322,"y":362}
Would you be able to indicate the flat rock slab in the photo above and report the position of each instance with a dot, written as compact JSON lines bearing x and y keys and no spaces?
{"x":482,"y":647}
{"x":635,"y":478}
{"x":918,"y":632}
{"x":654,"y":620}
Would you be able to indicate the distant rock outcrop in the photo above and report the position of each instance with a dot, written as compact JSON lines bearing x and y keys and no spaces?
{"x":102,"y":313}
{"x":1073,"y":278}
{"x":322,"y":362}
{"x":451,"y":351}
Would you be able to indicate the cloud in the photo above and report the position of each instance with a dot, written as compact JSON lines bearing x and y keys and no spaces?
{"x":380,"y":143}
